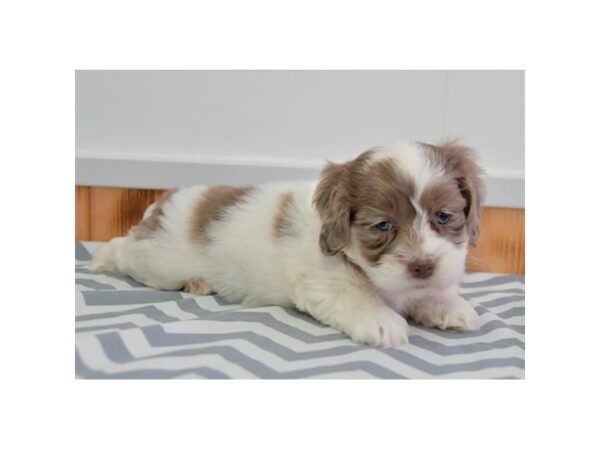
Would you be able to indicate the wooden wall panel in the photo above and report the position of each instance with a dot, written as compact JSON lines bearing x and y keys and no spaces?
{"x":114,"y":210}
{"x":104,"y":213}
{"x":501,"y":246}
{"x":83,"y":231}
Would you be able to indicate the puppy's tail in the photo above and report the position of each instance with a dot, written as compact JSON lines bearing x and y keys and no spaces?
{"x":104,"y":260}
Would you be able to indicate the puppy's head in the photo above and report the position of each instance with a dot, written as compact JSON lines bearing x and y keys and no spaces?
{"x":404,"y":214}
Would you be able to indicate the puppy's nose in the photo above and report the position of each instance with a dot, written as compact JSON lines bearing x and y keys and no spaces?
{"x":421,"y":268}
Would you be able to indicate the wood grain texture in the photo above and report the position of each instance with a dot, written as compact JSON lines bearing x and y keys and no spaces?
{"x":501,"y":247}
{"x":104,"y":213}
{"x":83,"y":229}
{"x":114,"y":211}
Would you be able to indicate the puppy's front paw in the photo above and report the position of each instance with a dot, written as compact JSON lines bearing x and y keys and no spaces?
{"x":381,"y":327}
{"x":453,"y":313}
{"x":461,"y":316}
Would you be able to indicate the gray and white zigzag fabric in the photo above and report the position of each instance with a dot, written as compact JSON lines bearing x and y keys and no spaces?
{"x":126,"y":330}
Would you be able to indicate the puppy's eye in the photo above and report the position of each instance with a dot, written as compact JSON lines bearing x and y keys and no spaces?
{"x":442,"y":217}
{"x":384,"y":225}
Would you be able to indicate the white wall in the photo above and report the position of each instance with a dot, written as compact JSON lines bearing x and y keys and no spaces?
{"x":133,"y":125}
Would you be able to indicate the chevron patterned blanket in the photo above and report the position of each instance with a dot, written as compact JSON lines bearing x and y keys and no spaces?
{"x":126,"y":330}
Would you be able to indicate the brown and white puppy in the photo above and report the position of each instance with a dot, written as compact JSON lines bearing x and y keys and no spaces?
{"x":375,"y":240}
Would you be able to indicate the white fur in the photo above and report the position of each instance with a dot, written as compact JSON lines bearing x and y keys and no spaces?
{"x":243,"y":261}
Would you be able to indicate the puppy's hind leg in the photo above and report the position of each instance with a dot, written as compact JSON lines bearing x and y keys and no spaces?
{"x":198,"y":286}
{"x":105,"y":259}
{"x":142,"y":260}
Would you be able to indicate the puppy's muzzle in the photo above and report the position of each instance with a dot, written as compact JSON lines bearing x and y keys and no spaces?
{"x":421,"y":269}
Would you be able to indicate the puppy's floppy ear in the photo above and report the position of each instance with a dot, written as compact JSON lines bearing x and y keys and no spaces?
{"x":332,"y":202}
{"x":460,"y":161}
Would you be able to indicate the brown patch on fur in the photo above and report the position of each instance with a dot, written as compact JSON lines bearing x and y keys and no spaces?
{"x":333,"y":200}
{"x":282,"y":225}
{"x":149,"y":226}
{"x":458,"y":163}
{"x":446,"y":196}
{"x":384,"y":194}
{"x":364,"y":194}
{"x":213,"y":204}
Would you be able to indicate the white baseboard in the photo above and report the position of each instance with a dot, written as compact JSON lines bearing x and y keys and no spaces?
{"x":504,"y":189}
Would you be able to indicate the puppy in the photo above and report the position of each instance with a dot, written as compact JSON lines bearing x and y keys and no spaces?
{"x":376,"y":240}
